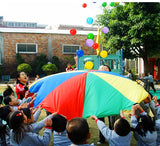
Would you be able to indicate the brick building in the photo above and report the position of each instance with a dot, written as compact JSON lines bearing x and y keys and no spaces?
{"x":32,"y":42}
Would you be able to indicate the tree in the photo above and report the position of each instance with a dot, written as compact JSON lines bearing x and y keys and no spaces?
{"x":24,"y":67}
{"x":38,"y":63}
{"x":133,"y":27}
{"x":49,"y":68}
{"x":19,"y":59}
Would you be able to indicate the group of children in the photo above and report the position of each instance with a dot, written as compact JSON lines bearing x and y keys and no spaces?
{"x":19,"y":126}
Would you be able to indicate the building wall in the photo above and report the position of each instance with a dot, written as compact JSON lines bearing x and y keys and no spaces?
{"x":49,"y":44}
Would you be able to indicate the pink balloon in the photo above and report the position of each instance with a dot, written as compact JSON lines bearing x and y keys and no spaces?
{"x":89,"y":42}
{"x":105,"y":30}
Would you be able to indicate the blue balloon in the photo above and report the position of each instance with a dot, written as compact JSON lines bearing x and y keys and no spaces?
{"x":80,"y":53}
{"x":89,"y":20}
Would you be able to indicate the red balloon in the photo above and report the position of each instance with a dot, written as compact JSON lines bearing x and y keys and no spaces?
{"x":73,"y":31}
{"x":84,"y":5}
{"x":95,"y":46}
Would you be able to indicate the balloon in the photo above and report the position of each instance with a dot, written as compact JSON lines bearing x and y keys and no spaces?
{"x":80,"y":53}
{"x":105,"y":30}
{"x":89,"y":20}
{"x":95,"y":46}
{"x":117,"y":2}
{"x":103,"y":54}
{"x":84,"y":5}
{"x":88,"y":65}
{"x":104,"y":4}
{"x":90,"y":36}
{"x":73,"y":31}
{"x":89,"y":42}
{"x":112,"y":4}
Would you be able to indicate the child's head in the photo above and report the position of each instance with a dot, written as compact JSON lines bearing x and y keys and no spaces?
{"x":29,"y":114}
{"x":37,"y":76}
{"x":11,"y":100}
{"x":106,"y":68}
{"x":122,"y":127}
{"x":22,"y":78}
{"x":146,"y":123}
{"x":4,"y":112}
{"x":16,"y":122}
{"x":59,"y":123}
{"x":8,"y":91}
{"x":78,"y":131}
{"x":68,"y":65}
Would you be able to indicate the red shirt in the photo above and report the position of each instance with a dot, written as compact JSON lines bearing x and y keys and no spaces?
{"x":21,"y":90}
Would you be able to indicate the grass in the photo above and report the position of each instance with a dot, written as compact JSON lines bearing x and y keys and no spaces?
{"x":92,"y":125}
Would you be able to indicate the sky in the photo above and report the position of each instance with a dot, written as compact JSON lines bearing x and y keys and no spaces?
{"x":51,"y":12}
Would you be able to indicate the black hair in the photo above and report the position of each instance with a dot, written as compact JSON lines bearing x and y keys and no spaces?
{"x":7,"y":99}
{"x":4,"y":112}
{"x":8,"y":91}
{"x":3,"y":135}
{"x":59,"y":123}
{"x":108,"y":67}
{"x":122,"y":127}
{"x":78,"y":130}
{"x":145,"y":123}
{"x":16,"y":123}
{"x":27,"y":112}
{"x":17,"y":76}
{"x":1,"y":99}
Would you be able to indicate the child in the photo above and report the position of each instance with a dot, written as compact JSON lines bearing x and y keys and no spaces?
{"x":144,"y":132}
{"x":78,"y":131}
{"x":150,"y":78}
{"x":69,"y":68}
{"x":120,"y":136}
{"x":59,"y":123}
{"x":37,"y":77}
{"x":8,"y":91}
{"x":31,"y":118}
{"x":4,"y":130}
{"x":22,"y":86}
{"x":20,"y":136}
{"x":157,"y":122}
{"x":16,"y":104}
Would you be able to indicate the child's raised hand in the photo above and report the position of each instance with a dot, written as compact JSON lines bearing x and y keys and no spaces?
{"x":94,"y":117}
{"x":23,"y":105}
{"x":121,"y":113}
{"x":48,"y":122}
{"x":53,"y":114}
{"x":155,"y":99}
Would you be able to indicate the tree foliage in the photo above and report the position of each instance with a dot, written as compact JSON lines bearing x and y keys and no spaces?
{"x":133,"y":27}
{"x":24,"y":67}
{"x":38,"y":63}
{"x":49,"y":68}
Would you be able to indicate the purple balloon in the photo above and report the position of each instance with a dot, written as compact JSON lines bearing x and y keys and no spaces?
{"x":105,"y":30}
{"x":89,"y":42}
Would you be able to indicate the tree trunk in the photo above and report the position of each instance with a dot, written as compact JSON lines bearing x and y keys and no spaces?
{"x":145,"y":59}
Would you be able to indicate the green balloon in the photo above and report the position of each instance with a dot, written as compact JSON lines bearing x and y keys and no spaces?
{"x":104,"y":4}
{"x":90,"y":36}
{"x":112,"y":4}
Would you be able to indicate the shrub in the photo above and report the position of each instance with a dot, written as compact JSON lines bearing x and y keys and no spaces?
{"x":24,"y":67}
{"x":38,"y":63}
{"x":55,"y":60}
{"x":19,"y":59}
{"x":49,"y":69}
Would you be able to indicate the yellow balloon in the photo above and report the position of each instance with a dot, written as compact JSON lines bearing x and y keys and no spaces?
{"x":117,"y":2}
{"x":88,"y":65}
{"x":103,"y":54}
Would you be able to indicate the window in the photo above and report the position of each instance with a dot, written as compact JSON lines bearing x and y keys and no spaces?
{"x":26,"y":48}
{"x":70,"y":49}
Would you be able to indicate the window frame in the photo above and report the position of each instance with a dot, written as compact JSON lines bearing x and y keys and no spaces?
{"x":21,"y":52}
{"x":69,"y":52}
